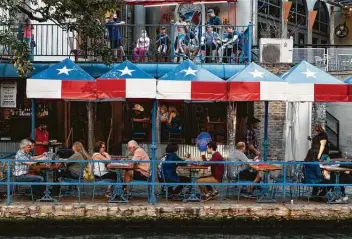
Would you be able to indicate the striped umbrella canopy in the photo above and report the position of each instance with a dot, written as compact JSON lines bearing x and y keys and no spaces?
{"x":349,"y":82}
{"x":254,"y":83}
{"x":64,"y":80}
{"x":307,"y":83}
{"x":189,"y":81}
{"x":124,"y":81}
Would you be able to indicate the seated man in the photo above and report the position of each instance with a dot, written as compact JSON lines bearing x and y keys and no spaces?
{"x":242,"y":171}
{"x":21,"y":169}
{"x":226,"y":50}
{"x":217,"y":172}
{"x":191,"y":44}
{"x":140,"y":170}
{"x":209,"y":44}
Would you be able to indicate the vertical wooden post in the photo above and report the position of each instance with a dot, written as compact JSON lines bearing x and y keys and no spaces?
{"x":90,"y":113}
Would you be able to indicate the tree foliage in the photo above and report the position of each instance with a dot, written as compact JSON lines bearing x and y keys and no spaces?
{"x":84,"y":17}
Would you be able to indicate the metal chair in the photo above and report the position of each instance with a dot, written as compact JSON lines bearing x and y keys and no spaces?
{"x":73,"y":190}
{"x":99,"y":182}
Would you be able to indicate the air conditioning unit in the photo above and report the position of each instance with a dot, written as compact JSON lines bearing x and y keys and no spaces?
{"x":276,"y":50}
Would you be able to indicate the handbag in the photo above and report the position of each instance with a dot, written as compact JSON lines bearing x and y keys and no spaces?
{"x":88,"y":173}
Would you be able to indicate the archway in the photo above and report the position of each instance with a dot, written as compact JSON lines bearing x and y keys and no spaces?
{"x":321,"y":24}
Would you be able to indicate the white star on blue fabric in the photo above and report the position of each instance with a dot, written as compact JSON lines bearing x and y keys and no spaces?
{"x":189,"y":71}
{"x":309,"y":73}
{"x":257,"y":73}
{"x":64,"y":70}
{"x":126,"y":71}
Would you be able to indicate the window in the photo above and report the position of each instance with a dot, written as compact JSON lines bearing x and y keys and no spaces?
{"x":298,"y":13}
{"x":271,"y":8}
{"x":321,"y":23}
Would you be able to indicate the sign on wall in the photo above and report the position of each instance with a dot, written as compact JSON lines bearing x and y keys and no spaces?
{"x":8,"y":94}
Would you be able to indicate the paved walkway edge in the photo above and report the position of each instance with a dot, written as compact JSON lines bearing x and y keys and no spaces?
{"x":175,"y":212}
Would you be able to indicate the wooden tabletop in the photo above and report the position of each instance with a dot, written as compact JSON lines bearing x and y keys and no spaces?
{"x":190,"y":167}
{"x":335,"y":169}
{"x":43,"y":166}
{"x":341,"y":159}
{"x":264,"y":167}
{"x":116,"y":166}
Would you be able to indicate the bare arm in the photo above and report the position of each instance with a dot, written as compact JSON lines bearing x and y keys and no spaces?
{"x":251,"y":148}
{"x":322,"y":147}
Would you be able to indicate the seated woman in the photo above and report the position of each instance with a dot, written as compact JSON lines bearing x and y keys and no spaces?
{"x":313,"y":175}
{"x":167,"y":171}
{"x":74,"y":169}
{"x":142,"y":47}
{"x":100,"y":170}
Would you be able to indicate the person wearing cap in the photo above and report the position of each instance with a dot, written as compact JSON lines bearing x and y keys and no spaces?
{"x":213,"y":20}
{"x":138,"y":118}
{"x":251,"y":139}
{"x":208,"y":44}
{"x":162,"y":42}
{"x":41,"y":139}
{"x":142,"y":47}
{"x":114,"y":35}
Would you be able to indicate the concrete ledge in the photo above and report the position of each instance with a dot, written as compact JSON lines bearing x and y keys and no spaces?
{"x":174,"y":212}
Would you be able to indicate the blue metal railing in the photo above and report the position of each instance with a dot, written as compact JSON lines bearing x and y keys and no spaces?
{"x":267,"y":187}
{"x":51,"y":42}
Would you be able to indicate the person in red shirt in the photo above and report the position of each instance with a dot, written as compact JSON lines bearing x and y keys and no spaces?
{"x":41,"y":139}
{"x":217,"y":172}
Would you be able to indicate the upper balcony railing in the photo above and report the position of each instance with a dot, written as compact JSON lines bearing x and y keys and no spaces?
{"x":337,"y":58}
{"x":228,"y":44}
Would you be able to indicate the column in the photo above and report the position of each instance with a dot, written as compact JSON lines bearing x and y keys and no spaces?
{"x":139,"y":19}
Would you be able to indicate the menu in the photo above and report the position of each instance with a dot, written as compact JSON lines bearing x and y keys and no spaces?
{"x":8,"y":94}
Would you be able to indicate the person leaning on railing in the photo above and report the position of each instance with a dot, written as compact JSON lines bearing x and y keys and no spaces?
{"x":21,"y":170}
{"x":217,"y":172}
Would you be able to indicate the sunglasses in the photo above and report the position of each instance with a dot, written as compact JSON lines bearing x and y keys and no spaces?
{"x":103,"y":147}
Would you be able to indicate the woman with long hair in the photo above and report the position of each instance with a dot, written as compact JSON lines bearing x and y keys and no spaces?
{"x":74,"y":169}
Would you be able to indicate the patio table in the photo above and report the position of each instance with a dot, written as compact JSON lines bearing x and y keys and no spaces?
{"x":336,"y":194}
{"x":118,"y":193}
{"x":193,"y":169}
{"x":47,"y":168}
{"x":265,"y":195}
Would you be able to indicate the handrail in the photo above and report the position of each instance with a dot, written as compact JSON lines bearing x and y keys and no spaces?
{"x":283,"y":167}
{"x":337,"y":124}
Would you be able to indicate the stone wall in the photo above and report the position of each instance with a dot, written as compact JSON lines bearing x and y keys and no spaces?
{"x":189,"y":211}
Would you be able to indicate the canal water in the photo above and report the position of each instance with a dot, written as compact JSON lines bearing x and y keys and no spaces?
{"x":136,"y":235}
{"x":215,"y":233}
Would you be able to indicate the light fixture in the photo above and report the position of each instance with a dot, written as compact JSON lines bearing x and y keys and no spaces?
{"x":210,"y":2}
{"x":161,"y":5}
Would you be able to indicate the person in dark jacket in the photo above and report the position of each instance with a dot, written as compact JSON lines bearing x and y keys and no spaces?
{"x":167,"y":171}
{"x":313,"y":175}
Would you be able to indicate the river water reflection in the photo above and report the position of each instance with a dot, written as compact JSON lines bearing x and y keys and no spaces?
{"x":136,"y":235}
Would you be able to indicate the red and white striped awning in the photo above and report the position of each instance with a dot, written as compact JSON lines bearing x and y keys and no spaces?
{"x":126,"y":81}
{"x":307,"y":83}
{"x":191,"y":82}
{"x":254,"y":83}
{"x":64,"y":80}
